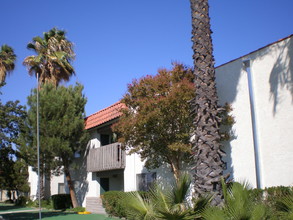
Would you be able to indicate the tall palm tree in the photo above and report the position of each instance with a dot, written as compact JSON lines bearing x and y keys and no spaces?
{"x":54,"y":54}
{"x":207,"y":153}
{"x":7,"y":61}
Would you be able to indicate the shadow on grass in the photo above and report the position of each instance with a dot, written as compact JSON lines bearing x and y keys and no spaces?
{"x":52,"y":215}
{"x":30,"y":215}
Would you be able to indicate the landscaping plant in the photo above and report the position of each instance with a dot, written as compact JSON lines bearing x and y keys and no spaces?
{"x":166,"y":202}
{"x":238,"y":204}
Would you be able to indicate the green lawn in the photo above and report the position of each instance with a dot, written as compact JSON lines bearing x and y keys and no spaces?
{"x":21,"y":214}
{"x":53,"y":216}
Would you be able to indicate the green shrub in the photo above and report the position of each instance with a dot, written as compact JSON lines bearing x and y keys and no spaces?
{"x":273,"y":198}
{"x":9,"y":201}
{"x":61,"y":201}
{"x":256,"y":194}
{"x":21,"y":201}
{"x":111,"y":203}
{"x":31,"y":203}
{"x":278,"y":192}
{"x":76,"y":209}
{"x":45,"y":203}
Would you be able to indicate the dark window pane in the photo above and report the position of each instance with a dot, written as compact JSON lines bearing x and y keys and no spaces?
{"x":145,"y":181}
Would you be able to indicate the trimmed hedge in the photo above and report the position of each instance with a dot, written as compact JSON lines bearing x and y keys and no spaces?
{"x":271,"y":194}
{"x":61,"y":201}
{"x":113,"y":206}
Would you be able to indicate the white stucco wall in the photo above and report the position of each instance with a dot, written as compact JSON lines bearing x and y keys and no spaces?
{"x":55,"y":180}
{"x":95,"y":139}
{"x":272,"y":80}
{"x":232,"y":87}
{"x":272,"y":71}
{"x":33,"y":182}
{"x":133,"y":166}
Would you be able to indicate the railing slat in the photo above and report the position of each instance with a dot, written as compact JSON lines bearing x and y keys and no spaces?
{"x":108,"y":157}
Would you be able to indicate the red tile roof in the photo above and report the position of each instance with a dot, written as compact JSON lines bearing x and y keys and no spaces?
{"x":104,"y":115}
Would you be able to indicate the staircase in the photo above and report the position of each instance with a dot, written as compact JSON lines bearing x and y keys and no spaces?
{"x":94,"y":205}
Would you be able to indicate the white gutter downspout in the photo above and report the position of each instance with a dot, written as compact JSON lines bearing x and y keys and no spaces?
{"x":247,"y":66}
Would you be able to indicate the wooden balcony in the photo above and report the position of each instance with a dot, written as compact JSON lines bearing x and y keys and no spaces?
{"x":108,"y":157}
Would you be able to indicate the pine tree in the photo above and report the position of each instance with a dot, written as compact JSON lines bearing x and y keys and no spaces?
{"x":62,"y":132}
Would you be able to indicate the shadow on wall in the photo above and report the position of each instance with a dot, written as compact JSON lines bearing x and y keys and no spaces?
{"x":227,"y":79}
{"x":164,"y":174}
{"x":281,"y":75}
{"x":226,"y":147}
{"x":80,"y":176}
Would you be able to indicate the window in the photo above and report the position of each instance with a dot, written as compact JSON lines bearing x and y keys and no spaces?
{"x":105,"y":139}
{"x":145,"y":180}
{"x":61,"y":188}
{"x":77,"y":154}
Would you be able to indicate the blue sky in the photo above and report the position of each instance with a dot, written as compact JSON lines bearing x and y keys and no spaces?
{"x":119,"y":40}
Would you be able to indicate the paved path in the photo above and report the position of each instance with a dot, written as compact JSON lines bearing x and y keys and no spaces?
{"x":17,"y":211}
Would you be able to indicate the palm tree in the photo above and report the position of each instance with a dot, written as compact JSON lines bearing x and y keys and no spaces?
{"x":54,"y":54}
{"x":207,"y":153}
{"x":7,"y":61}
{"x":165,"y":202}
{"x":238,"y":204}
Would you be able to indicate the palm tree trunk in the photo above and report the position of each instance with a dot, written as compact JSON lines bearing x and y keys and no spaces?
{"x":207,"y":154}
{"x":71,"y":187}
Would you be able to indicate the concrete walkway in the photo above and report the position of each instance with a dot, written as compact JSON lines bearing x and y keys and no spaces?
{"x":17,"y":211}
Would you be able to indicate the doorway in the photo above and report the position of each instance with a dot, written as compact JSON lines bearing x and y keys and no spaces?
{"x":104,"y":185}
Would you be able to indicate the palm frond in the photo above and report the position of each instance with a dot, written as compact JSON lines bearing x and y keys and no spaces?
{"x":239,"y":203}
{"x":201,"y":204}
{"x":259,"y":211}
{"x":181,"y":188}
{"x":30,"y":46}
{"x":285,"y":206}
{"x":139,"y":208}
{"x":54,"y":56}
{"x":38,"y":39}
{"x":214,"y":213}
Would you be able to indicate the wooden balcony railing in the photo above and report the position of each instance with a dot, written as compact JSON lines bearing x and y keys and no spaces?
{"x":108,"y":157}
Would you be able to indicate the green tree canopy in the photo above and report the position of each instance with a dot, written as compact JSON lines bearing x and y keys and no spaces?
{"x":13,"y":172}
{"x":62,"y":132}
{"x":157,"y":123}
